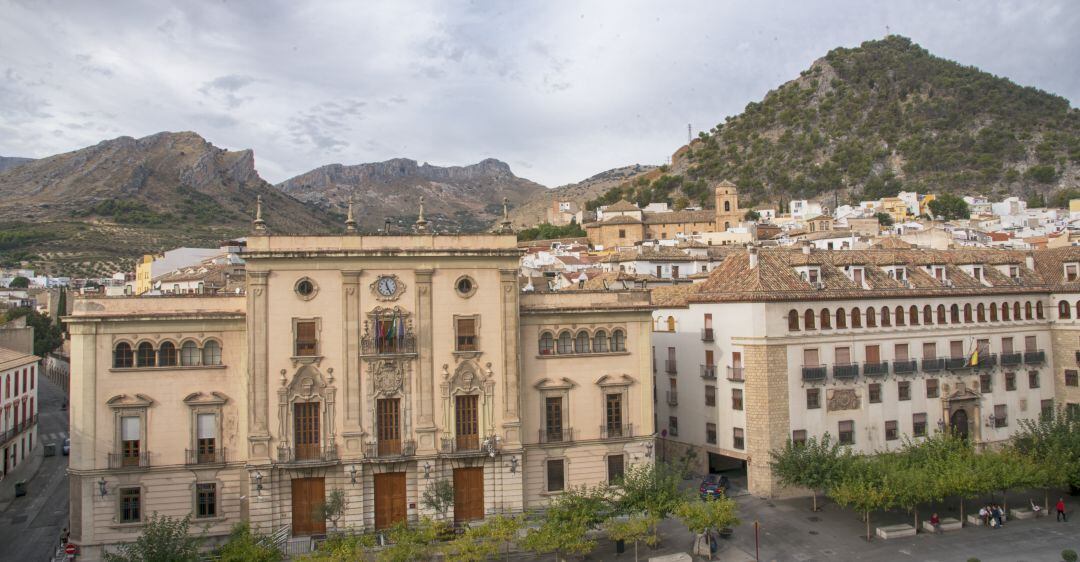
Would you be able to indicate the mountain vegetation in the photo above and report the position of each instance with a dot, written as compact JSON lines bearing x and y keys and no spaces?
{"x":867,"y":122}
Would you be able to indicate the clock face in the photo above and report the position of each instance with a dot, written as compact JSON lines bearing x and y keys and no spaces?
{"x":387,"y":286}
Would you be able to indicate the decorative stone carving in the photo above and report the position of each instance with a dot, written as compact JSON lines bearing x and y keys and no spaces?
{"x":843,"y":399}
{"x":393,"y":288}
{"x":388,"y":376}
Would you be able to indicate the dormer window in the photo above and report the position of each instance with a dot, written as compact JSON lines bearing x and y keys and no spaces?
{"x":810,"y":274}
{"x":1014,"y":272}
{"x":899,"y":273}
{"x":939,"y":272}
{"x":1072,"y":272}
{"x":858,"y":275}
{"x":977,"y":273}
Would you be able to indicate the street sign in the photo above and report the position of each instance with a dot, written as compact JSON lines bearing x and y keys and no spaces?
{"x":70,"y":549}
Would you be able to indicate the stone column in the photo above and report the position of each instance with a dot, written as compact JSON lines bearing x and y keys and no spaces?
{"x":258,"y":303}
{"x":425,"y":426}
{"x":511,"y":361}
{"x":767,"y":413}
{"x":350,"y":380}
{"x":84,"y":399}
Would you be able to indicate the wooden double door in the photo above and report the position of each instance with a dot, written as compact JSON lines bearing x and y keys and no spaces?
{"x":468,"y":494}
{"x":308,"y":495}
{"x":391,"y":500}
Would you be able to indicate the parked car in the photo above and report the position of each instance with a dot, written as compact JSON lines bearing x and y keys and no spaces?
{"x":713,"y":485}
{"x":66,"y":449}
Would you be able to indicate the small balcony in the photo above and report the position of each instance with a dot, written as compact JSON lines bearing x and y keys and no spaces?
{"x":196,"y":457}
{"x":708,"y":372}
{"x":735,"y":374}
{"x":389,"y":346}
{"x":707,"y":334}
{"x":879,"y":369}
{"x":391,"y":449}
{"x":987,"y":360}
{"x":673,"y":398}
{"x":933,"y":365}
{"x":129,"y":460}
{"x":905,"y":367}
{"x":17,"y":428}
{"x":1011,"y":359}
{"x":814,"y":372}
{"x":957,"y":363}
{"x":670,"y":367}
{"x":307,"y":454}
{"x":556,"y":435}
{"x":845,"y":371}
{"x":461,"y":445}
{"x":1034,"y":357}
{"x":613,"y":431}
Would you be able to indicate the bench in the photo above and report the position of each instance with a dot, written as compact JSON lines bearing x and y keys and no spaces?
{"x":896,"y":531}
{"x":1023,"y":513}
{"x":974,"y":520}
{"x":947,"y":524}
{"x":678,"y":557}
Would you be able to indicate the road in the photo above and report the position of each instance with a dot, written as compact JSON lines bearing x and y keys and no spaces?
{"x":30,"y":526}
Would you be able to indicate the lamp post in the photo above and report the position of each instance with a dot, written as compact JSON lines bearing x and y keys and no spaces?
{"x":352,"y":474}
{"x":258,"y":482}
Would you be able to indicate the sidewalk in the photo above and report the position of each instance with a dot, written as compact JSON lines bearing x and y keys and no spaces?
{"x":26,"y":470}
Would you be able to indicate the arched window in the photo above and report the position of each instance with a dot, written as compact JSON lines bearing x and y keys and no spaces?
{"x":727,"y":206}
{"x":581,"y":342}
{"x":871,"y":318}
{"x":793,"y":321}
{"x":1064,"y":309}
{"x":671,"y":323}
{"x":189,"y":354}
{"x":211,"y":353}
{"x":123,"y":358}
{"x":1005,"y":312}
{"x":167,"y":355}
{"x":1016,"y":311}
{"x":808,"y":320}
{"x":967,"y":313}
{"x":928,"y":315}
{"x":980,"y":313}
{"x":600,"y":342}
{"x":1027,"y":310}
{"x":547,"y":343}
{"x":618,"y":341}
{"x":145,"y":356}
{"x":913,"y":315}
{"x":856,"y":318}
{"x":993,"y":312}
{"x":954,"y":314}
{"x":885,"y":317}
{"x":941,"y":314}
{"x":826,"y":319}
{"x":566,"y":343}
{"x":899,"y":316}
{"x":1039,"y":310}
{"x":841,"y":319}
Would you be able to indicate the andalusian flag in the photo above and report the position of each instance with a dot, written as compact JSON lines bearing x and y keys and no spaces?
{"x":973,"y":360}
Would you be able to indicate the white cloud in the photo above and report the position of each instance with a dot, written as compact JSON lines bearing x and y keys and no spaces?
{"x":560,"y":90}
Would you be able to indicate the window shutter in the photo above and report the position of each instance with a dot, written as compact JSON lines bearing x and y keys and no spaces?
{"x":207,"y":426}
{"x":129,"y":428}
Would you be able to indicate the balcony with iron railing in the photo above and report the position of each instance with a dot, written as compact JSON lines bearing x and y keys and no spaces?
{"x":462,"y":445}
{"x":708,"y":372}
{"x":814,"y":372}
{"x":985,"y":360}
{"x":391,"y":449}
{"x":1011,"y":359}
{"x":615,"y":431}
{"x":673,"y":398}
{"x":129,"y":460}
{"x":905,"y":367}
{"x":307,"y":454}
{"x":18,"y":428}
{"x":1037,"y":357}
{"x":405,"y":345}
{"x":878,"y":369}
{"x":196,"y":457}
{"x":556,"y":435}
{"x":735,"y":374}
{"x":670,"y":366}
{"x":706,"y":334}
{"x":933,"y":365}
{"x":957,"y":363}
{"x":845,"y":371}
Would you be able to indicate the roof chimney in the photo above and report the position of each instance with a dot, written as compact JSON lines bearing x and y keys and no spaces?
{"x":1029,"y":260}
{"x":752,"y":250}
{"x":806,"y":247}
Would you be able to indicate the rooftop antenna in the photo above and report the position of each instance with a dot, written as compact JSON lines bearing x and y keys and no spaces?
{"x":259,"y":223}
{"x":350,"y":222}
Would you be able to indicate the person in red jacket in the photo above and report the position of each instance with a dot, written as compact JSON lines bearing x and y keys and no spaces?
{"x":1061,"y":510}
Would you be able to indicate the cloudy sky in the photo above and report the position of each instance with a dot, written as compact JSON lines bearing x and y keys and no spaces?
{"x":559,"y":90}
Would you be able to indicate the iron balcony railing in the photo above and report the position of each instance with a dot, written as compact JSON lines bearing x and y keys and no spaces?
{"x":905,"y":367}
{"x":1034,"y":357}
{"x":194,"y":456}
{"x":1011,"y":359}
{"x":556,"y":435}
{"x":845,"y":371}
{"x":388,"y":346}
{"x":461,"y":444}
{"x":613,"y":431}
{"x":673,"y":397}
{"x":933,"y":365}
{"x":735,"y":374}
{"x":706,"y":334}
{"x":307,"y":453}
{"x":814,"y":372}
{"x":136,"y":460}
{"x":875,"y":369}
{"x":986,"y":360}
{"x":18,"y":428}
{"x":957,"y":363}
{"x":708,"y":371}
{"x":669,"y":366}
{"x":391,"y":448}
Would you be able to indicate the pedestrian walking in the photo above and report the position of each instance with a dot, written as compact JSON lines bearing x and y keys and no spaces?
{"x":1061,"y":516}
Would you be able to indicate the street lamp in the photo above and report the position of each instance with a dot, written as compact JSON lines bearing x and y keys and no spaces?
{"x":258,"y":482}
{"x":352,"y":474}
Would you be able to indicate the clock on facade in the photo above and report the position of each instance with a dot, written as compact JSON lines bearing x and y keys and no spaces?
{"x":387,"y":287}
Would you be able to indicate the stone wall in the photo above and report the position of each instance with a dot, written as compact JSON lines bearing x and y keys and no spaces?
{"x":767,"y":413}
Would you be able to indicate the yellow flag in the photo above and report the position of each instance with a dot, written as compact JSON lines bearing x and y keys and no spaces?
{"x":974,"y":360}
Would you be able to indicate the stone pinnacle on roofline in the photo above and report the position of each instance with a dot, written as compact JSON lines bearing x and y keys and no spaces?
{"x":259,"y":223}
{"x":422,"y":224}
{"x":350,"y":222}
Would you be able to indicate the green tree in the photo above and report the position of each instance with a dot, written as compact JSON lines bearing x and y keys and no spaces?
{"x":864,"y":489}
{"x":884,"y":219}
{"x":438,"y":497}
{"x":411,"y":543}
{"x":344,"y":547}
{"x":634,"y":529}
{"x":501,"y":529}
{"x":473,"y":545}
{"x":47,"y":336}
{"x":333,"y":507}
{"x":752,"y":215}
{"x":560,"y":537}
{"x":163,"y":539}
{"x":545,"y":231}
{"x":714,"y":513}
{"x":19,"y":282}
{"x":949,"y":207}
{"x":245,"y":545}
{"x":817,"y":464}
{"x":654,"y":489}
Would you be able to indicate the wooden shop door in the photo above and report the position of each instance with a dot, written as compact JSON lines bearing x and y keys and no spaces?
{"x":308,"y":494}
{"x":468,"y":494}
{"x":390,"y":500}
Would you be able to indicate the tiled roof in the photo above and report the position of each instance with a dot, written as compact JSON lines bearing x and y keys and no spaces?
{"x":1050,"y":263}
{"x":618,"y":219}
{"x":621,"y":206}
{"x":676,"y":217}
{"x":672,"y":296}
{"x":663,"y":253}
{"x":9,"y":358}
{"x":890,"y":243}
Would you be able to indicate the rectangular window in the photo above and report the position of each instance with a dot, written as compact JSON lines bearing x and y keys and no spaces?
{"x":1071,"y":378}
{"x":1072,"y":272}
{"x":900,"y":352}
{"x":622,"y":233}
{"x":307,"y":344}
{"x":1031,"y":343}
{"x":466,"y":334}
{"x":918,"y":425}
{"x":985,"y":383}
{"x":810,"y":358}
{"x":892,"y":431}
{"x":674,"y":272}
{"x":709,"y":357}
{"x":857,"y":276}
{"x":798,"y":437}
{"x":1046,"y":408}
{"x":206,"y":500}
{"x":613,"y":414}
{"x":1006,"y":345}
{"x":932,"y":390}
{"x":929,"y":350}
{"x":616,"y":468}
{"x":903,"y":390}
{"x":847,"y":432}
{"x":1001,"y":418}
{"x":207,"y":437}
{"x":388,"y":430}
{"x":673,"y":426}
{"x":738,"y":438}
{"x":956,"y":348}
{"x":553,"y":426}
{"x":1033,"y":379}
{"x":130,"y":505}
{"x":1010,"y":381}
{"x":556,"y":478}
{"x":710,"y":433}
{"x":843,"y":356}
{"x":873,"y":354}
{"x":813,"y":398}
{"x":736,"y":399}
{"x":875,"y":393}
{"x":710,"y":395}
{"x":467,"y":422}
{"x":130,"y":440}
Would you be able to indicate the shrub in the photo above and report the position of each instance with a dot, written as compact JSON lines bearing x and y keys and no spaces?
{"x":1068,"y":555}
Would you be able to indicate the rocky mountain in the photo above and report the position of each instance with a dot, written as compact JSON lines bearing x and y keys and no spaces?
{"x":110,"y":202}
{"x":456,"y":198}
{"x":867,"y":122}
{"x":534,"y":211}
{"x":12,"y":161}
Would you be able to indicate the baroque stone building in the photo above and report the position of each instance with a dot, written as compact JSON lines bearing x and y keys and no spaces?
{"x":373,"y":365}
